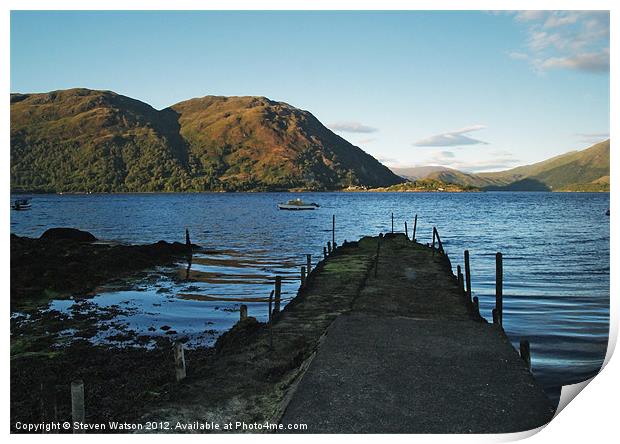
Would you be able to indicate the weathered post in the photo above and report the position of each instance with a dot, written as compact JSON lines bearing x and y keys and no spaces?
{"x":392,"y":223}
{"x":303,"y":276}
{"x":494,"y":314}
{"x":324,"y":253}
{"x":334,"y":230}
{"x":270,"y":321}
{"x":415,"y":225}
{"x":524,"y":350}
{"x":467,"y":275}
{"x":187,"y":241}
{"x":434,"y":231}
{"x":499,"y":282}
{"x":278,"y":294}
{"x":406,"y":232}
{"x":460,"y":279}
{"x":78,"y":413}
{"x":270,"y":306}
{"x":243,"y":312}
{"x":308,"y":263}
{"x":179,"y":360}
{"x":476,"y":305}
{"x":329,"y":247}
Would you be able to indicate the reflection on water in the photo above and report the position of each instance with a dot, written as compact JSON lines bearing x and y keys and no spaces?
{"x":555,"y":246}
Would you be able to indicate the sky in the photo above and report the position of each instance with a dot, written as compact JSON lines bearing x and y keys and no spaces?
{"x":472,"y":90}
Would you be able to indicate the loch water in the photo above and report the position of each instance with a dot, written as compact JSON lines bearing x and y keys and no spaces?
{"x":555,"y":247}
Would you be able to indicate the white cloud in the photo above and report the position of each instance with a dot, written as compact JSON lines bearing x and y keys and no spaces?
{"x":500,"y":160}
{"x":516,"y":55}
{"x":592,"y":138}
{"x":575,"y":40}
{"x":453,"y":138}
{"x":365,"y":141}
{"x":352,"y":127}
{"x":591,"y":62}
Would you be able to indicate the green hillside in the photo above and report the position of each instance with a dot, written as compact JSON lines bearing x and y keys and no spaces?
{"x":586,"y":170}
{"x":99,"y":141}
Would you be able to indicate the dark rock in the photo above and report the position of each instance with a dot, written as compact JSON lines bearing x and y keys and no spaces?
{"x":243,"y":333}
{"x":68,"y":234}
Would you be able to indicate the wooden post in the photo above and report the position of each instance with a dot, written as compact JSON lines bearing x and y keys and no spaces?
{"x":324,"y":253}
{"x":270,"y":320}
{"x":308,"y":263}
{"x":78,"y":413}
{"x":278,"y":289}
{"x":415,"y":225}
{"x":243,"y":312}
{"x":303,"y":276}
{"x":476,"y":305}
{"x":270,"y":305}
{"x":406,"y":232}
{"x":179,"y":360}
{"x":187,"y":241}
{"x":499,"y":281}
{"x":459,"y":274}
{"x":467,"y":275}
{"x":392,"y":223}
{"x":334,"y":230}
{"x":329,"y":247}
{"x":494,"y":314}
{"x":434,"y":231}
{"x":524,"y":350}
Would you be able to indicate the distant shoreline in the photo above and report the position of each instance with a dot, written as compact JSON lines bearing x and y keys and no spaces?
{"x":20,"y":193}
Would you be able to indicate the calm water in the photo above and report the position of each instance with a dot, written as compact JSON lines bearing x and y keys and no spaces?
{"x":555,"y":246}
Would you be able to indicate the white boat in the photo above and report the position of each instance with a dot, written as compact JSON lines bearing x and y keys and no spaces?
{"x":21,"y":204}
{"x":297,"y":204}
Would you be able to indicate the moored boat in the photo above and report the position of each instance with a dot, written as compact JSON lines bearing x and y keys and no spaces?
{"x":297,"y":204}
{"x":21,"y":204}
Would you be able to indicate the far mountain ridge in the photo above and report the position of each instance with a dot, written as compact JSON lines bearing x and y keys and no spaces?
{"x":585,"y":170}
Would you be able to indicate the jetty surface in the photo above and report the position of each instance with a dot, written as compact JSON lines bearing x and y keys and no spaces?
{"x":412,"y":355}
{"x":381,"y":338}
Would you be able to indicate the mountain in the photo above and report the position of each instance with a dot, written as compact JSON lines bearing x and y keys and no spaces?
{"x":585,"y":170}
{"x":420,"y":172}
{"x":85,"y":140}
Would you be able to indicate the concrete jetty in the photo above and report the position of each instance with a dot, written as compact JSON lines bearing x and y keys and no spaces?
{"x":413,"y":356}
{"x":381,"y":338}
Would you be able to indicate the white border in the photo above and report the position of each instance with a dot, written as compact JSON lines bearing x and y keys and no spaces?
{"x":592,"y":417}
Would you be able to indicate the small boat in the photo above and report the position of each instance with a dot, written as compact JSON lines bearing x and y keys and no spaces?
{"x":21,"y":204}
{"x":297,"y":204}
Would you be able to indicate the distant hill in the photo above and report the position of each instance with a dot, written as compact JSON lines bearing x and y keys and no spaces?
{"x":100,"y":141}
{"x":585,"y":170}
{"x":420,"y":172}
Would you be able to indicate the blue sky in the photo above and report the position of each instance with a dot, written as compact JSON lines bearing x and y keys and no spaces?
{"x":477,"y":91}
